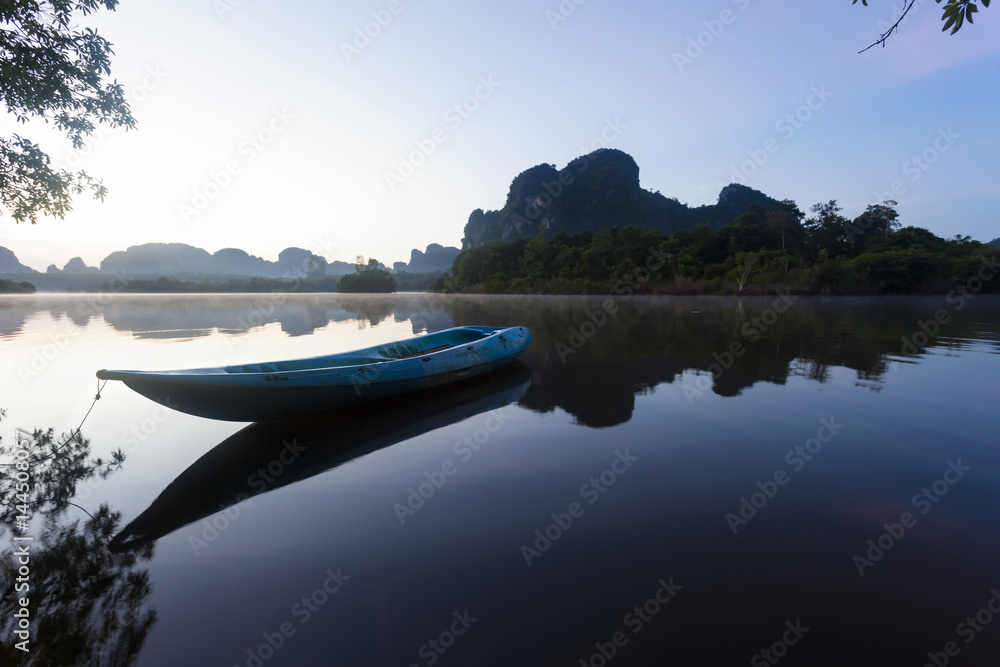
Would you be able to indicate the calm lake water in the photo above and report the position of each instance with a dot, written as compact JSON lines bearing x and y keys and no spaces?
{"x":668,"y":481}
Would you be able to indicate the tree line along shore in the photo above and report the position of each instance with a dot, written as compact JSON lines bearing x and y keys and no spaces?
{"x":760,"y":252}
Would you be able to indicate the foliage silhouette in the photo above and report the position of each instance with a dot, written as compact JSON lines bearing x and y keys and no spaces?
{"x":11,"y":287}
{"x":758,"y":253}
{"x":87,"y":605}
{"x":371,"y":278}
{"x":55,"y":72}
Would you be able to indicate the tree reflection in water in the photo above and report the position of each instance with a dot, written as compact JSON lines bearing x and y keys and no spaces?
{"x":87,"y":605}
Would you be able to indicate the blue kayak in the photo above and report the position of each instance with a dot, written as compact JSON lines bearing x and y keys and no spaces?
{"x":301,"y":387}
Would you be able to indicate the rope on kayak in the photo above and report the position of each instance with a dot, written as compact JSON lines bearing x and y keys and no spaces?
{"x":74,"y":436}
{"x":76,"y":433}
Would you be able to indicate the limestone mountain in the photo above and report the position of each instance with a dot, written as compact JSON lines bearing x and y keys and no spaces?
{"x":597,"y":191}
{"x":77,"y":265}
{"x":10,"y":264}
{"x":180,"y":258}
{"x":171,"y":259}
{"x":436,"y":258}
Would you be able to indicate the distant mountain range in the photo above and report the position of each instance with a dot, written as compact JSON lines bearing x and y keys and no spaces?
{"x":181,"y":259}
{"x":597,"y":191}
{"x":75,"y":266}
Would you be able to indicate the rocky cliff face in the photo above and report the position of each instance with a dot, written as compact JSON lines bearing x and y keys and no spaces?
{"x":435,"y":258}
{"x":596,"y":191}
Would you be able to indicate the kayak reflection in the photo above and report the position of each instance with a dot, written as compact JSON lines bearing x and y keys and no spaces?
{"x":230,"y":472}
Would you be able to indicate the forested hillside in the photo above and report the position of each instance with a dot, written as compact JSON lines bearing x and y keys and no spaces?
{"x":762,"y":251}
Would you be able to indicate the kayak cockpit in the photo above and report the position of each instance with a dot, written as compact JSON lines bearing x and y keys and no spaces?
{"x":415,"y":347}
{"x":303,"y":364}
{"x":432,"y":343}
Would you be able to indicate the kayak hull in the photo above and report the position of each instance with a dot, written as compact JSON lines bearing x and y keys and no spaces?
{"x":301,"y":387}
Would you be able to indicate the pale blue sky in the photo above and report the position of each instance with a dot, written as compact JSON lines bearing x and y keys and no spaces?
{"x":693,"y":91}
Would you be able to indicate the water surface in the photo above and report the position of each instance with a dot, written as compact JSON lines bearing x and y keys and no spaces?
{"x":687,"y":481}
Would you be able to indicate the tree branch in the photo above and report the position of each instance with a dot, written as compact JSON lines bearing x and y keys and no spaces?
{"x":885,"y":35}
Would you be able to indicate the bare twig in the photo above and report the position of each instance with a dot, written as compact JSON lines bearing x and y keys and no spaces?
{"x":885,"y":35}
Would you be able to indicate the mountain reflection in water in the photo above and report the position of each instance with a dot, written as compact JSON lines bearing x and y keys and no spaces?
{"x":654,"y":340}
